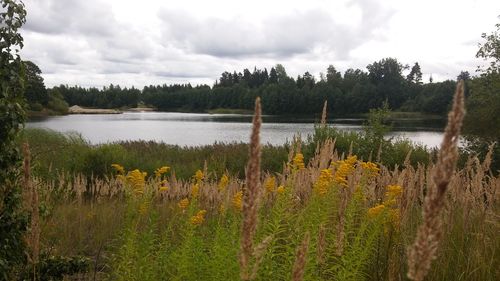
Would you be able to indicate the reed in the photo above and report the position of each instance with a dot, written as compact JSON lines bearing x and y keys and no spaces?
{"x":251,"y":195}
{"x":424,"y":249}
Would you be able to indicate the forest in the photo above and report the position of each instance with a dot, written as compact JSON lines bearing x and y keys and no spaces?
{"x":354,"y":91}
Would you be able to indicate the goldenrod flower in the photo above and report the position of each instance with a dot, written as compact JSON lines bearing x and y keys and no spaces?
{"x":198,"y":176}
{"x":280,"y":189}
{"x":224,"y":181}
{"x":163,"y":188}
{"x":198,"y":218}
{"x":183,"y":204}
{"x":375,"y":211}
{"x":137,"y":181}
{"x":370,"y":168}
{"x":195,"y":190}
{"x":269,"y":184}
{"x":393,"y":192}
{"x":298,"y":162}
{"x":323,"y":182}
{"x":344,"y":169}
{"x":119,"y":168}
{"x":237,"y":200}
{"x":161,"y":171}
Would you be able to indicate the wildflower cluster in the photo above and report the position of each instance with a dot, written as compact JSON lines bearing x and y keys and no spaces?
{"x":237,"y":200}
{"x":324,"y":182}
{"x":183,"y":204}
{"x":270,"y":184}
{"x":370,"y":169}
{"x":298,"y":162}
{"x":280,"y":189}
{"x":344,"y":169}
{"x":160,"y":171}
{"x":392,"y":194}
{"x":198,"y":176}
{"x":199,"y":218}
{"x":224,"y":181}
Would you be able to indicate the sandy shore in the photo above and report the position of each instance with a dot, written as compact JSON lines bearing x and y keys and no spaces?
{"x":75,"y":109}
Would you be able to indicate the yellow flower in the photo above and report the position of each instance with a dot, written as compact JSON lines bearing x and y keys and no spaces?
{"x":163,"y":188}
{"x":323,"y":182}
{"x":161,"y":171}
{"x":119,"y":168}
{"x":137,"y":181}
{"x":269,"y":184}
{"x":375,"y":211}
{"x":344,"y":169}
{"x":224,"y":181}
{"x":195,"y":190}
{"x":370,"y":168}
{"x":237,"y":200}
{"x":198,"y":218}
{"x":280,"y":189}
{"x":183,"y":204}
{"x":298,"y":162}
{"x":393,"y":192}
{"x":198,"y":176}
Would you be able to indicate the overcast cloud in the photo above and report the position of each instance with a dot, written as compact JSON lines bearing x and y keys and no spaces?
{"x":136,"y":43}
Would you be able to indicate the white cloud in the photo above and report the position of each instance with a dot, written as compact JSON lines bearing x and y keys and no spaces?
{"x":96,"y":42}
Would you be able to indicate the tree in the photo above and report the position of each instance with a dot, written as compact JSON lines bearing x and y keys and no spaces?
{"x":490,"y":51}
{"x":415,"y":75}
{"x":281,"y":73}
{"x":386,"y":74}
{"x":13,"y":221}
{"x":333,"y":76}
{"x":482,"y":119}
{"x":464,"y":75}
{"x":35,"y":91}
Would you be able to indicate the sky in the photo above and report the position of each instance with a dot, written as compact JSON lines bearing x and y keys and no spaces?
{"x":94,"y":43}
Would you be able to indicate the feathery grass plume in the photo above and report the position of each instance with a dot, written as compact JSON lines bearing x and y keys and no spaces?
{"x":323,"y":114}
{"x":423,"y":251}
{"x":251,"y":196}
{"x":34,"y":238}
{"x":258,"y":253}
{"x":300,"y":259}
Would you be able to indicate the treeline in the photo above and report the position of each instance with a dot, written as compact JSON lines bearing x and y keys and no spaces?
{"x":354,"y":91}
{"x":107,"y":97}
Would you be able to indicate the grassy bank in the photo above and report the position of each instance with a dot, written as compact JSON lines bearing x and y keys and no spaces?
{"x":57,"y":153}
{"x":357,"y":217}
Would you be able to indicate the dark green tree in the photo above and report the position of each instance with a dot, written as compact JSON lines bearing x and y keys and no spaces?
{"x":482,"y":119}
{"x":415,"y":75}
{"x":35,"y":91}
{"x":464,"y":75}
{"x":333,"y":76}
{"x":13,"y":220}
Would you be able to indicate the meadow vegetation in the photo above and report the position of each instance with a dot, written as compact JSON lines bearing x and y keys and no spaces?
{"x":329,"y":209}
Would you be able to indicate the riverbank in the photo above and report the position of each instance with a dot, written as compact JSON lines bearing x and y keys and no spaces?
{"x":75,"y":109}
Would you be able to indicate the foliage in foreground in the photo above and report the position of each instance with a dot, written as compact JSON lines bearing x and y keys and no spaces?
{"x":360,"y":216}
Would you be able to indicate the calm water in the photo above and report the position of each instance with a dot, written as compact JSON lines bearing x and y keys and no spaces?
{"x":199,"y":129}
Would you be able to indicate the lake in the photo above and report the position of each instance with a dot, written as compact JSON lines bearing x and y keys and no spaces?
{"x":192,"y":129}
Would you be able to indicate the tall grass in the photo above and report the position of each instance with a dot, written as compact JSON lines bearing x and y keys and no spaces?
{"x":331,"y":215}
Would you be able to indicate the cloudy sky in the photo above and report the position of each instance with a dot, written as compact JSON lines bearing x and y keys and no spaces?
{"x":142,"y":42}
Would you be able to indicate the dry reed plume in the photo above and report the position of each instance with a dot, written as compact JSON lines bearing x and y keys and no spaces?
{"x":251,"y":196}
{"x":300,"y":259}
{"x":323,"y":114}
{"x":424,"y":249}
